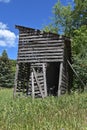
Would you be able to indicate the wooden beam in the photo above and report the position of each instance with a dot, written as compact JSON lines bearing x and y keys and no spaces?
{"x":32,"y":80}
{"x":40,"y":57}
{"x":75,"y":73}
{"x":44,"y":75}
{"x":39,"y":60}
{"x":41,"y":51}
{"x":60,"y":79}
{"x":30,"y":44}
{"x":41,"y":48}
{"x":15,"y":81}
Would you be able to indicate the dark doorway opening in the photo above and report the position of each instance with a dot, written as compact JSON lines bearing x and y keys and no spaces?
{"x":52,"y":77}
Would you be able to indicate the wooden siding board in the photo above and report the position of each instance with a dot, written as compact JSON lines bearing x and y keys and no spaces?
{"x":40,"y":40}
{"x":44,"y":76}
{"x":44,"y":55}
{"x":30,"y":48}
{"x":40,"y":61}
{"x":40,"y":53}
{"x":43,"y":43}
{"x":38,"y":37}
{"x":40,"y":49}
{"x":60,"y":79}
{"x":33,"y":88}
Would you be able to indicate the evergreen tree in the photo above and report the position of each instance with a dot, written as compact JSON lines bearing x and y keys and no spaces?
{"x":6,"y":75}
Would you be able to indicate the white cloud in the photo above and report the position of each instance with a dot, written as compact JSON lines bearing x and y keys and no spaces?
{"x":2,"y":43}
{"x":5,"y":1}
{"x":3,"y":26}
{"x":7,"y":37}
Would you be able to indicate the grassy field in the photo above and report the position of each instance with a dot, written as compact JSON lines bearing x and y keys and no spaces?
{"x":63,"y":113}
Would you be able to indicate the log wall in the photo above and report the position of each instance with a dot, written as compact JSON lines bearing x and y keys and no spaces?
{"x":39,"y":47}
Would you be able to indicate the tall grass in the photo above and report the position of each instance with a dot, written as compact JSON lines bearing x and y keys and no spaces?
{"x":52,"y":113}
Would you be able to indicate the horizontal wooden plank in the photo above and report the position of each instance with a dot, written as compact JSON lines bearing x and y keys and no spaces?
{"x":40,"y":81}
{"x":28,"y":38}
{"x":40,"y":46}
{"x":40,"y":78}
{"x":26,"y":35}
{"x":45,"y":55}
{"x":39,"y":42}
{"x":36,"y":64}
{"x":29,"y":48}
{"x":38,"y":35}
{"x":38,"y":92}
{"x":37,"y":57}
{"x":41,"y":51}
{"x":64,"y":83}
{"x":39,"y":66}
{"x":41,"y":57}
{"x":33,"y":48}
{"x":40,"y":74}
{"x":36,"y":87}
{"x":40,"y":61}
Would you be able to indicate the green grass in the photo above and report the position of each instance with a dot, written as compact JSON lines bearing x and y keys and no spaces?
{"x":52,"y":113}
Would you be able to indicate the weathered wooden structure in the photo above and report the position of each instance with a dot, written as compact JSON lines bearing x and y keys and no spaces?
{"x":42,"y":68}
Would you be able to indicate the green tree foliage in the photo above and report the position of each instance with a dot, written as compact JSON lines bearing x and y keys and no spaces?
{"x":72,"y":21}
{"x":6,"y":73}
{"x":13,"y":65}
{"x":80,"y":52}
{"x":62,"y":20}
{"x":66,"y":19}
{"x":51,"y":28}
{"x":80,"y":41}
{"x":79,"y":14}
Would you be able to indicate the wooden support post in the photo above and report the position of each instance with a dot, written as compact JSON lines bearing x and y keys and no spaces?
{"x":76,"y":73}
{"x":27,"y":88}
{"x":60,"y":79}
{"x":44,"y":75}
{"x":32,"y":80}
{"x":15,"y":81}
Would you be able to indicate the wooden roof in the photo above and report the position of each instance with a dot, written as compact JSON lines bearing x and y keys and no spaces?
{"x":40,"y":31}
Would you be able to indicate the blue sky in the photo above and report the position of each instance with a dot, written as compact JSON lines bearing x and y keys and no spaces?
{"x":29,"y":13}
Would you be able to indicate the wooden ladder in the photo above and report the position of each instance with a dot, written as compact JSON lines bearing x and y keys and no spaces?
{"x":38,"y":81}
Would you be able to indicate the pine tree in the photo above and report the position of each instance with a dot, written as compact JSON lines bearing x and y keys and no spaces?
{"x":6,"y":75}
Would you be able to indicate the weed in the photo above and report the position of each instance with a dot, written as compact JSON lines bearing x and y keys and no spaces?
{"x":68,"y":112}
